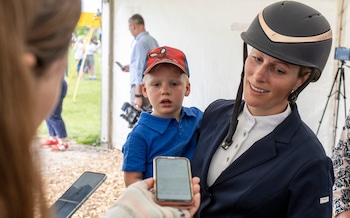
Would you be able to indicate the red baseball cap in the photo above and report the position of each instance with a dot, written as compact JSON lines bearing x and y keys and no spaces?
{"x":166,"y":54}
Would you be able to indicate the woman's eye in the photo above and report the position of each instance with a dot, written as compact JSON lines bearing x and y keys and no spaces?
{"x":257,"y":59}
{"x":278,"y":70}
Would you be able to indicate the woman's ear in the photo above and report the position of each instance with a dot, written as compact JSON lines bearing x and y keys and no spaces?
{"x":29,"y":60}
{"x":302,"y":79}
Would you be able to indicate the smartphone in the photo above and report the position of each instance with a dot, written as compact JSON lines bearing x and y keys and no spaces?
{"x":172,"y":181}
{"x":77,"y":194}
{"x":119,"y":64}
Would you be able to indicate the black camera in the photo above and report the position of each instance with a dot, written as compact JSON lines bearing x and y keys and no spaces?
{"x":131,"y":115}
{"x":342,"y":54}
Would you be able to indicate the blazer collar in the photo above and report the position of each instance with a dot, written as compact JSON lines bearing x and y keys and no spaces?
{"x":262,"y":150}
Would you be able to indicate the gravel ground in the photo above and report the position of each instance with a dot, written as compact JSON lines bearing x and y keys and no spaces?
{"x":61,"y":169}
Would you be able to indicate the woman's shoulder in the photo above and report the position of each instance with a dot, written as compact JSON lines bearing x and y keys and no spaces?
{"x":220,"y":104}
{"x":192,"y":111}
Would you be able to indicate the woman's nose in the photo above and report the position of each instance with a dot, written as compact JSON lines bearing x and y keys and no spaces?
{"x":260,"y":73}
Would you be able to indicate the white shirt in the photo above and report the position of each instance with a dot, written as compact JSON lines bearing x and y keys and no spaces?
{"x":79,"y":51}
{"x":91,"y":48}
{"x":249,"y":130}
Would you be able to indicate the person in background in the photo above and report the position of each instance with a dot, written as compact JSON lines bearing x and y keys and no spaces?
{"x":56,"y":125}
{"x":34,"y":59}
{"x":341,"y":164}
{"x":256,"y":157}
{"x":170,"y":129}
{"x":79,"y":55}
{"x":91,"y":49}
{"x":144,"y":42}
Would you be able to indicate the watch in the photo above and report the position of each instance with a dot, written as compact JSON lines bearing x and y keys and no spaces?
{"x":138,"y":96}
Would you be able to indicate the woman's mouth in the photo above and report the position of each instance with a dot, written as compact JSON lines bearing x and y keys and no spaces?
{"x":257,"y":89}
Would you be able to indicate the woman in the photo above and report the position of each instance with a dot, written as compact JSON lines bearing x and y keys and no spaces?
{"x":265,"y":161}
{"x":341,"y":163}
{"x":35,"y":36}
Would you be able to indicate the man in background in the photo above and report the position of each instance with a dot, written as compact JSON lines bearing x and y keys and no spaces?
{"x":144,"y":42}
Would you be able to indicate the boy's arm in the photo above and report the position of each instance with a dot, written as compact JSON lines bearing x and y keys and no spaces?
{"x":131,"y":177}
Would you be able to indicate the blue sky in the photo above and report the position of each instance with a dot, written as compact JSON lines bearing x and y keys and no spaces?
{"x":91,"y":5}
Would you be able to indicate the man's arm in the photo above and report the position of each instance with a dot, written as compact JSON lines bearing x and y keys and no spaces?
{"x":138,"y":97}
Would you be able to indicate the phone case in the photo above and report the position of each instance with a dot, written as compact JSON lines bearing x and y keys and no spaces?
{"x":77,"y":194}
{"x":119,"y":64}
{"x":173,"y":176}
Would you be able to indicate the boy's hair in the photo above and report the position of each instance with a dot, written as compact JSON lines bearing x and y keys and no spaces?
{"x":169,"y":66}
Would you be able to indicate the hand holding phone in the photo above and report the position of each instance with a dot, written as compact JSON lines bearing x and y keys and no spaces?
{"x":173,"y":185}
{"x":139,"y":200}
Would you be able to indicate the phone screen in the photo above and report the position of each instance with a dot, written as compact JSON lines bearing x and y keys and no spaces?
{"x":77,"y":194}
{"x":119,"y":64}
{"x":173,"y":179}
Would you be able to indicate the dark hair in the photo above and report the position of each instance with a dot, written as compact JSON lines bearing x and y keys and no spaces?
{"x":48,"y":38}
{"x":137,"y":19}
{"x":44,"y":29}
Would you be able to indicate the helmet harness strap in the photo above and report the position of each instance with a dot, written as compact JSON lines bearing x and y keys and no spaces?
{"x":234,"y":120}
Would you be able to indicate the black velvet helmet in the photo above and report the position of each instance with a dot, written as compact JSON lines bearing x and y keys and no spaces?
{"x":292,"y":32}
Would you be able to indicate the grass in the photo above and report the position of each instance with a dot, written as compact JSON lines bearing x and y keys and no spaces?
{"x":82,"y":116}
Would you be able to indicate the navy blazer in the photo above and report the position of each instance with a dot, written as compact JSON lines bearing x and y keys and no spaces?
{"x":284,"y":174}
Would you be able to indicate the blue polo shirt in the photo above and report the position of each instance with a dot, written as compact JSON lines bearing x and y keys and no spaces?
{"x":154,"y":136}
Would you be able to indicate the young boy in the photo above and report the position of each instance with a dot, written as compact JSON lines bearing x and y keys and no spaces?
{"x":170,"y":129}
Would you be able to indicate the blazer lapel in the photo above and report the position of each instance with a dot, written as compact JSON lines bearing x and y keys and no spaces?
{"x":264,"y":149}
{"x":260,"y":152}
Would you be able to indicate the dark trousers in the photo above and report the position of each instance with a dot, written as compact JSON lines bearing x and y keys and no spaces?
{"x":54,"y":122}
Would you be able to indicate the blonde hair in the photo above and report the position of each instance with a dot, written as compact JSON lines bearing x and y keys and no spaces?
{"x":169,"y":66}
{"x":43,"y":28}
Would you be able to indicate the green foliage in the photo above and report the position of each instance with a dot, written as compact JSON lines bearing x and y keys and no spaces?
{"x":82,"y":116}
{"x":83,"y":31}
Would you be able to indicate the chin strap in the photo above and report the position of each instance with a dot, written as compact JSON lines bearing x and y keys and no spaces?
{"x":234,"y":119}
{"x":294,"y":95}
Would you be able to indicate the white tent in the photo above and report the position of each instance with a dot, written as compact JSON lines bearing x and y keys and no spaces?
{"x":208,"y":31}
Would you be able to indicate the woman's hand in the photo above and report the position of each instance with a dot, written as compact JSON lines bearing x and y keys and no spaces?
{"x":137,"y":201}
